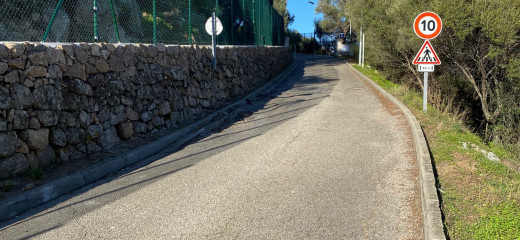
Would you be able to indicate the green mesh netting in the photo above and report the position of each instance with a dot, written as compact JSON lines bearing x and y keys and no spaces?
{"x":246,"y":22}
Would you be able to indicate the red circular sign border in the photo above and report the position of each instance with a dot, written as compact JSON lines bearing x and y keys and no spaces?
{"x":427,"y":14}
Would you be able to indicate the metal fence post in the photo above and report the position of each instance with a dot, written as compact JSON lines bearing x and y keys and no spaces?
{"x":95,"y":8}
{"x":154,"y":21}
{"x":115,"y":21}
{"x":52,"y":21}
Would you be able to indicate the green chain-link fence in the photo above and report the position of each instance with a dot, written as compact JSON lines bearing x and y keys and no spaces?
{"x":246,"y":22}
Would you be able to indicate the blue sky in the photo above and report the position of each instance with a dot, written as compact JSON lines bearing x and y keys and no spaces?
{"x":304,"y":15}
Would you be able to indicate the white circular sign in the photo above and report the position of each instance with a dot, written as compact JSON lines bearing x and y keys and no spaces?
{"x":427,"y":25}
{"x":218,"y":26}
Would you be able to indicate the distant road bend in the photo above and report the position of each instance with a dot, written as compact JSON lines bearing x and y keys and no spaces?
{"x":322,"y":156}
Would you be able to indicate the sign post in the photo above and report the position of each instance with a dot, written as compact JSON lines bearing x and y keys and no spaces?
{"x":214,"y":28}
{"x":427,"y":25}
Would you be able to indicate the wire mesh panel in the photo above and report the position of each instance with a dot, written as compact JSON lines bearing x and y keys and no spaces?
{"x":245,"y":22}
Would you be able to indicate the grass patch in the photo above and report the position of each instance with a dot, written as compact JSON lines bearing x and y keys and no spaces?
{"x":481,"y":198}
{"x":35,"y":173}
{"x":7,"y":186}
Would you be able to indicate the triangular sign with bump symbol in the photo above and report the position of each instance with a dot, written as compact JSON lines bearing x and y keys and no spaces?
{"x":426,"y":55}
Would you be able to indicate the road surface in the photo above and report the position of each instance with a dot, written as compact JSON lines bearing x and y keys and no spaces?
{"x":322,"y":156}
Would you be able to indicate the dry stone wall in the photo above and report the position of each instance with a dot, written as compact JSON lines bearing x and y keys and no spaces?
{"x":59,"y":102}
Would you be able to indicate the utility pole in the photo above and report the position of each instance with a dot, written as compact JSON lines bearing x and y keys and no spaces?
{"x":314,"y":32}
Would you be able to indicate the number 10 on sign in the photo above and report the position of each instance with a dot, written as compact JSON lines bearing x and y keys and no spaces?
{"x":427,"y":25}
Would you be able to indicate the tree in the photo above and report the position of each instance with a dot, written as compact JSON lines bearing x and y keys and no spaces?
{"x":281,"y":7}
{"x":479,"y":46}
{"x":334,"y":15}
{"x":481,"y":42}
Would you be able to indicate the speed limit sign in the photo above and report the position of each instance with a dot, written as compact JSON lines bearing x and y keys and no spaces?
{"x":427,"y":25}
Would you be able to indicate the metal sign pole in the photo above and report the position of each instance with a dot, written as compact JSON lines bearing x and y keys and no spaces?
{"x":363,"y":53}
{"x":360,"y":44}
{"x":425,"y":93}
{"x":213,"y":41}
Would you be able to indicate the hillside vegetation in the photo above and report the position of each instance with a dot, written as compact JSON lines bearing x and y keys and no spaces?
{"x":474,"y":99}
{"x":479,"y":46}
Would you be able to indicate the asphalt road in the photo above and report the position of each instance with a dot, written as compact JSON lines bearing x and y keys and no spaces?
{"x":322,"y":156}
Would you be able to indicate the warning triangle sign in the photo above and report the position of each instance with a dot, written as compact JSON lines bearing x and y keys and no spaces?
{"x":426,"y":55}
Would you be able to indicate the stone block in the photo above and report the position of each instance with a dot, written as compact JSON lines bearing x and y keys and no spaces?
{"x":3,"y":51}
{"x":34,"y":123}
{"x":21,"y":96}
{"x":3,"y":125}
{"x":37,"y":139}
{"x":12,"y":77}
{"x":125,"y":130}
{"x":146,"y":116}
{"x":105,"y":54}
{"x":85,"y":118}
{"x":74,"y":136}
{"x":35,"y":71}
{"x":76,"y":71}
{"x":5,"y":99}
{"x":95,"y":131}
{"x":3,"y":67}
{"x":78,"y":86}
{"x":140,"y":127}
{"x":59,"y":138}
{"x":47,"y":98}
{"x":131,"y":114}
{"x":22,"y":147}
{"x":20,"y":119}
{"x":95,"y":50}
{"x":39,"y":58}
{"x":16,"y":64}
{"x":63,"y":154}
{"x":164,"y":108}
{"x":158,"y":121}
{"x":109,"y":138}
{"x":55,"y":56}
{"x":47,"y":118}
{"x":12,"y":166}
{"x":9,"y":142}
{"x":81,"y":54}
{"x":68,"y":119}
{"x":32,"y":159}
{"x":46,"y":156}
{"x":103,"y":115}
{"x":101,"y":66}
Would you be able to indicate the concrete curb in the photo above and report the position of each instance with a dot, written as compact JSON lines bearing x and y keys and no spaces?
{"x":432,"y":218}
{"x":11,"y":207}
